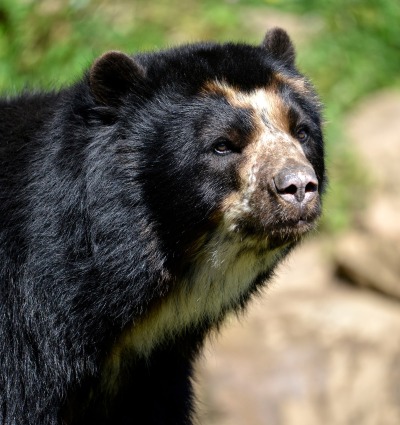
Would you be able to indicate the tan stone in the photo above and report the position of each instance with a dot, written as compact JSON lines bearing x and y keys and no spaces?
{"x":370,"y":260}
{"x":374,"y":130}
{"x":382,"y":217}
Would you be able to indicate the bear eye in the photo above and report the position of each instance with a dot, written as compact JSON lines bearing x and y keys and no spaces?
{"x":302,"y":134}
{"x":222,"y":146}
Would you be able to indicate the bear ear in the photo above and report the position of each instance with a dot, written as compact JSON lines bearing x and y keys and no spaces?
{"x":113,"y":75}
{"x":280,"y":46}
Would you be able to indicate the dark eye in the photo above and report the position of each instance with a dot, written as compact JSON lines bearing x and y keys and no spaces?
{"x":302,"y":135}
{"x":222,"y":146}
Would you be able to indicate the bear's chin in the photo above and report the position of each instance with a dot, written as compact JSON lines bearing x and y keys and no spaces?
{"x":276,"y":234}
{"x":290,"y":234}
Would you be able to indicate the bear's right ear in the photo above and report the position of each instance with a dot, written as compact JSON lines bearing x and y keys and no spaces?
{"x":280,"y":46}
{"x":113,"y":75}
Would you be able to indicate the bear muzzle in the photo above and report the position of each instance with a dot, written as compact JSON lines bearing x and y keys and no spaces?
{"x":283,"y":204}
{"x":297,"y":185}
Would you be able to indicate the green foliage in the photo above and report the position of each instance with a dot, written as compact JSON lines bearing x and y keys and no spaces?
{"x":44,"y":42}
{"x":358,"y":49}
{"x":48,"y":42}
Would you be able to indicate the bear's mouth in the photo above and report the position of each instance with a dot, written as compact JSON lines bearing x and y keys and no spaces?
{"x":278,"y":232}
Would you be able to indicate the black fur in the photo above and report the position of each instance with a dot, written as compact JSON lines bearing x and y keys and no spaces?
{"x":104,"y":188}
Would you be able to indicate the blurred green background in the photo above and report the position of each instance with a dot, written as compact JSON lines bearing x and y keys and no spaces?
{"x":349,"y":48}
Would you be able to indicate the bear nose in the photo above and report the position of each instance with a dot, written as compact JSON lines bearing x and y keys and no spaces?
{"x":296,"y":184}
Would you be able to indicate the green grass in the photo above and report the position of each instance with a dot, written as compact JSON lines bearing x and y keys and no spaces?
{"x":48,"y":43}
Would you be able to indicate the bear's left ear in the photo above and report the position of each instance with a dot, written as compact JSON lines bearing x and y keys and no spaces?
{"x":280,"y":46}
{"x":113,"y":75}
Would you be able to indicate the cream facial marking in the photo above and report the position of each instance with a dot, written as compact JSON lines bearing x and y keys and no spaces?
{"x":265,"y":102}
{"x":271,"y":119}
{"x":299,"y":85}
{"x":271,"y":143}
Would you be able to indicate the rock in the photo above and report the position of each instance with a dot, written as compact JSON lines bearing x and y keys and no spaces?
{"x":374,"y":130}
{"x":369,"y":260}
{"x":369,"y":256}
{"x":382,"y":217}
{"x":311,"y":352}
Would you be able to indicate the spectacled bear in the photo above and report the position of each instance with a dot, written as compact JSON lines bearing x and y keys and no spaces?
{"x":137,"y":208}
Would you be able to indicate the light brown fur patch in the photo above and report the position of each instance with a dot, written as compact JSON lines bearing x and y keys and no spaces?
{"x":297,"y":84}
{"x":263,"y":101}
{"x":272,"y":139}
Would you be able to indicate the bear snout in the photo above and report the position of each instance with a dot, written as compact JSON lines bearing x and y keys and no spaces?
{"x":297,"y":185}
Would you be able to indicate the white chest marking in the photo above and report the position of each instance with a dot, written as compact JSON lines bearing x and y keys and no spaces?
{"x":221,"y":274}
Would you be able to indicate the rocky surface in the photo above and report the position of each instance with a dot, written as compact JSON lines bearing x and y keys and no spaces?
{"x":368,"y":259}
{"x":319,"y":347}
{"x":370,"y":254}
{"x":374,"y":131}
